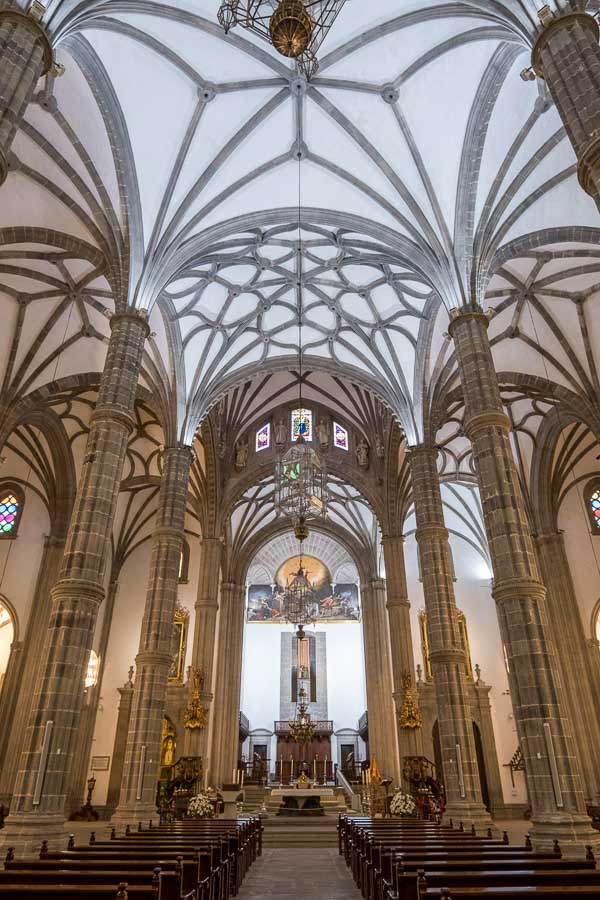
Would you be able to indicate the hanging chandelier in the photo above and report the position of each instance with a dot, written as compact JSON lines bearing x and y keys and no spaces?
{"x":300,"y":474}
{"x":302,"y":728}
{"x":296,"y":28}
{"x":298,"y":601}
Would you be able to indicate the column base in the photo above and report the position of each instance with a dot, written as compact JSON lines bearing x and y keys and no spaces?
{"x":573,"y":832}
{"x":25,"y":833}
{"x":470,"y":814}
{"x":133,"y":815}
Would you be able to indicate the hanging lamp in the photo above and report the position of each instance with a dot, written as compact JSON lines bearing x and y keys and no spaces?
{"x":300,"y":474}
{"x":295,"y":28}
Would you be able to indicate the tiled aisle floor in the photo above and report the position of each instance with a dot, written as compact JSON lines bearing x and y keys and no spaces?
{"x":303,"y":874}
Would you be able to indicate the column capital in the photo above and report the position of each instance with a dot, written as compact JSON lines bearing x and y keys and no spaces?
{"x":462,"y":314}
{"x":493,"y":418}
{"x":554,"y":25}
{"x":508,"y":588}
{"x":392,"y":539}
{"x":178,"y":450}
{"x":137,"y":316}
{"x":21,"y":18}
{"x":113,"y":415}
{"x":152,"y":657}
{"x":431,"y":533}
{"x":78,"y":589}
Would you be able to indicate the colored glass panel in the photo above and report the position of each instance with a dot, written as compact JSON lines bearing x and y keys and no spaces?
{"x":340,"y":437}
{"x":302,"y":424}
{"x":595,"y":506}
{"x":263,"y":437}
{"x":9,"y":510}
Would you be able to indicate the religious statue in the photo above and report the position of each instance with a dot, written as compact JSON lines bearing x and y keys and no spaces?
{"x":280,"y":433}
{"x":362,"y":454}
{"x":323,"y":435}
{"x":241,"y":454}
{"x":379,"y":447}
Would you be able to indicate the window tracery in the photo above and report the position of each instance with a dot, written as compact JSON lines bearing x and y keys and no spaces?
{"x":302,"y":417}
{"x":11,"y":509}
{"x":340,"y":436}
{"x":263,"y":438}
{"x":592,"y":499}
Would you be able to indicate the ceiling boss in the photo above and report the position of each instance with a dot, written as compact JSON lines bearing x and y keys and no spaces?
{"x":296,"y":28}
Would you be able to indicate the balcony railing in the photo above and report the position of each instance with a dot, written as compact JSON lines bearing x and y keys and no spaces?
{"x":322,"y":727}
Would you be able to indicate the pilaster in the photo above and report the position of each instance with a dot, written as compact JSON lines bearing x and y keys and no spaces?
{"x":383,"y":728}
{"x":410,"y":740}
{"x":138,"y":789}
{"x":195,"y":743}
{"x":223,"y":755}
{"x":40,"y":791}
{"x":459,"y":757}
{"x":551,"y":766}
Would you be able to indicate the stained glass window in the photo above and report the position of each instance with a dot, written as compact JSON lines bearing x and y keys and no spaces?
{"x":594,"y":501}
{"x":10,"y":508}
{"x":263,"y":437}
{"x":340,"y":437}
{"x":302,"y":424}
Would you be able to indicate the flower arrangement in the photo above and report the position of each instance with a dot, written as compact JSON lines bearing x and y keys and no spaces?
{"x":200,"y":807}
{"x":402,"y":804}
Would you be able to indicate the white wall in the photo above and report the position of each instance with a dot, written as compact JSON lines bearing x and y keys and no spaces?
{"x":345,"y":673}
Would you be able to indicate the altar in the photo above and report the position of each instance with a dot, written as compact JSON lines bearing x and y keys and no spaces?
{"x":304,"y":801}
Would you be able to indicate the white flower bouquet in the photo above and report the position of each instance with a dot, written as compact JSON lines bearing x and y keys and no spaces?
{"x":200,"y":807}
{"x":402,"y":804}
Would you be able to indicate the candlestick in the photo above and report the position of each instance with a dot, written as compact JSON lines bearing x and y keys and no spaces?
{"x":243,"y":773}
{"x":233,"y":778}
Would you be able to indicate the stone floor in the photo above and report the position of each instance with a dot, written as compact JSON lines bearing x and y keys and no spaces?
{"x":303,"y":874}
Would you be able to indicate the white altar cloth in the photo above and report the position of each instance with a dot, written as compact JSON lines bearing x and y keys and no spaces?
{"x":280,"y":793}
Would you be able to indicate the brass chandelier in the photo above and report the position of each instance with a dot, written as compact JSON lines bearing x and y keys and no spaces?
{"x":299,"y":601}
{"x":300,"y":474}
{"x":302,"y":727}
{"x":296,"y":28}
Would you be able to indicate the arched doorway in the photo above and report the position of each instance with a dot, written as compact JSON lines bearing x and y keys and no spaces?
{"x":437,"y":754}
{"x":7,"y":636}
{"x":485,"y":793}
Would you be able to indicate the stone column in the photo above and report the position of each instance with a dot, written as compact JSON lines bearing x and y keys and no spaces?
{"x":37,"y":808}
{"x":410,"y":740}
{"x":579,"y":678}
{"x":153,"y":661}
{"x":227,"y":685}
{"x":33,"y":646}
{"x":383,"y":730}
{"x":459,"y":756}
{"x":567,"y":56}
{"x":552,"y":770}
{"x":25,"y":55}
{"x":195,"y":743}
